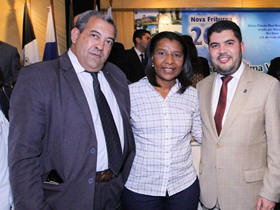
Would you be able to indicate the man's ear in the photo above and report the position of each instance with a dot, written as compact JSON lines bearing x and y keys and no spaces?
{"x":242,"y":47}
{"x":74,"y":35}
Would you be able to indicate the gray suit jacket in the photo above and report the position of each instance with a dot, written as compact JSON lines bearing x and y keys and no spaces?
{"x":51,"y":128}
{"x":243,"y":162}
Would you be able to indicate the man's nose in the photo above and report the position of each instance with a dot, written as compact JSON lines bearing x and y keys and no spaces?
{"x":100,"y":44}
{"x":222,"y":48}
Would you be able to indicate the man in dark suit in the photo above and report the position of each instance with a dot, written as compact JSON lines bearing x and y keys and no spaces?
{"x":60,"y":155}
{"x":118,"y":57}
{"x":9,"y":62}
{"x":136,"y":58}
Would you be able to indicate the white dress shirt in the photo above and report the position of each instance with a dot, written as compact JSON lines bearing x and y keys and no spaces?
{"x":5,"y":190}
{"x":162,"y":130}
{"x":139,"y":54}
{"x":231,"y":88}
{"x":86,"y":82}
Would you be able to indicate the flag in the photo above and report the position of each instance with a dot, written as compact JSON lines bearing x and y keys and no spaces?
{"x":29,"y":43}
{"x":50,"y":51}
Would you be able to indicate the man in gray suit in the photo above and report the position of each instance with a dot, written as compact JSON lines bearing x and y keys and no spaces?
{"x":240,"y":162}
{"x":62,"y":151}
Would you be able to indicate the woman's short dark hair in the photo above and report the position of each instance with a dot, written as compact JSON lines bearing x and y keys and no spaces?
{"x":186,"y":74}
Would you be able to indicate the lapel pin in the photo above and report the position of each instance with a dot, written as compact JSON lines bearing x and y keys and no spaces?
{"x":245,"y":91}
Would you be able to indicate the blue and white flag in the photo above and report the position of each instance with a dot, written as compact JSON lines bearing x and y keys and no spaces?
{"x":29,"y":43}
{"x":50,"y":51}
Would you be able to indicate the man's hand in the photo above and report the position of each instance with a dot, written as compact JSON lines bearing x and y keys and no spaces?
{"x":264,"y":204}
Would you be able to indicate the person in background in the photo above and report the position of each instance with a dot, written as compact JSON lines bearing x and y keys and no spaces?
{"x":70,"y":143}
{"x":5,"y":189}
{"x":164,"y":116}
{"x":117,"y":56}
{"x":274,"y":68}
{"x":9,"y":63}
{"x":240,"y":162}
{"x":9,"y":66}
{"x":200,"y":65}
{"x":136,"y":57}
{"x":5,"y":94}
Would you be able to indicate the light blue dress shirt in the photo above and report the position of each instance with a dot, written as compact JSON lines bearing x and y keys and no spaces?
{"x":5,"y":190}
{"x":85,"y":80}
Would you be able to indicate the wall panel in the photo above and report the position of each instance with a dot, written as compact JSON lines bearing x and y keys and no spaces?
{"x":125,"y":25}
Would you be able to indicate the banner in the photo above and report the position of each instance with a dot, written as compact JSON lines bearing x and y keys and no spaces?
{"x":260,"y":30}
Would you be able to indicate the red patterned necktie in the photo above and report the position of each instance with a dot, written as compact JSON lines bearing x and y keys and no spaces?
{"x":221,"y":104}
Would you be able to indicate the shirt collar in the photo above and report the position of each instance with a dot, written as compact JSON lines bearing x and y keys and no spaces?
{"x":75,"y":62}
{"x":138,"y":52}
{"x":174,"y":89}
{"x":236,"y":74}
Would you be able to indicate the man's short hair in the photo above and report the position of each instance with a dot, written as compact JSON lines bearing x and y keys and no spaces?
{"x":139,"y":33}
{"x":224,"y":25}
{"x":85,"y":16}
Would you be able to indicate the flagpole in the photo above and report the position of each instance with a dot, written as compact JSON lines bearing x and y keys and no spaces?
{"x":27,"y":2}
{"x":53,"y":16}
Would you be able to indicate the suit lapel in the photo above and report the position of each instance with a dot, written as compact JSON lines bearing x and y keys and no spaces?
{"x":73,"y":81}
{"x":207,"y":105}
{"x":115,"y":88}
{"x":136,"y":57}
{"x":118,"y":93}
{"x":242,"y":92}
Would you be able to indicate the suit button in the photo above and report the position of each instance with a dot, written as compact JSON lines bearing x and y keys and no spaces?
{"x":218,"y":145}
{"x":90,"y":180}
{"x":92,"y":150}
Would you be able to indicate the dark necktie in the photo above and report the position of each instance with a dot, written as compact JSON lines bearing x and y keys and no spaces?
{"x":142,"y":58}
{"x":221,"y":104}
{"x":110,"y":130}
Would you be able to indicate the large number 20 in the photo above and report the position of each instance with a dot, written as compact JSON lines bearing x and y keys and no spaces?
{"x":197,"y":31}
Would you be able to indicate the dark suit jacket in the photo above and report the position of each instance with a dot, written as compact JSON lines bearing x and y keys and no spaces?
{"x":51,"y":128}
{"x":9,"y":62}
{"x":118,"y":56}
{"x":134,"y":68}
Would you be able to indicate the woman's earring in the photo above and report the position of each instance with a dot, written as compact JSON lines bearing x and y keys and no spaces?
{"x":153,"y":65}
